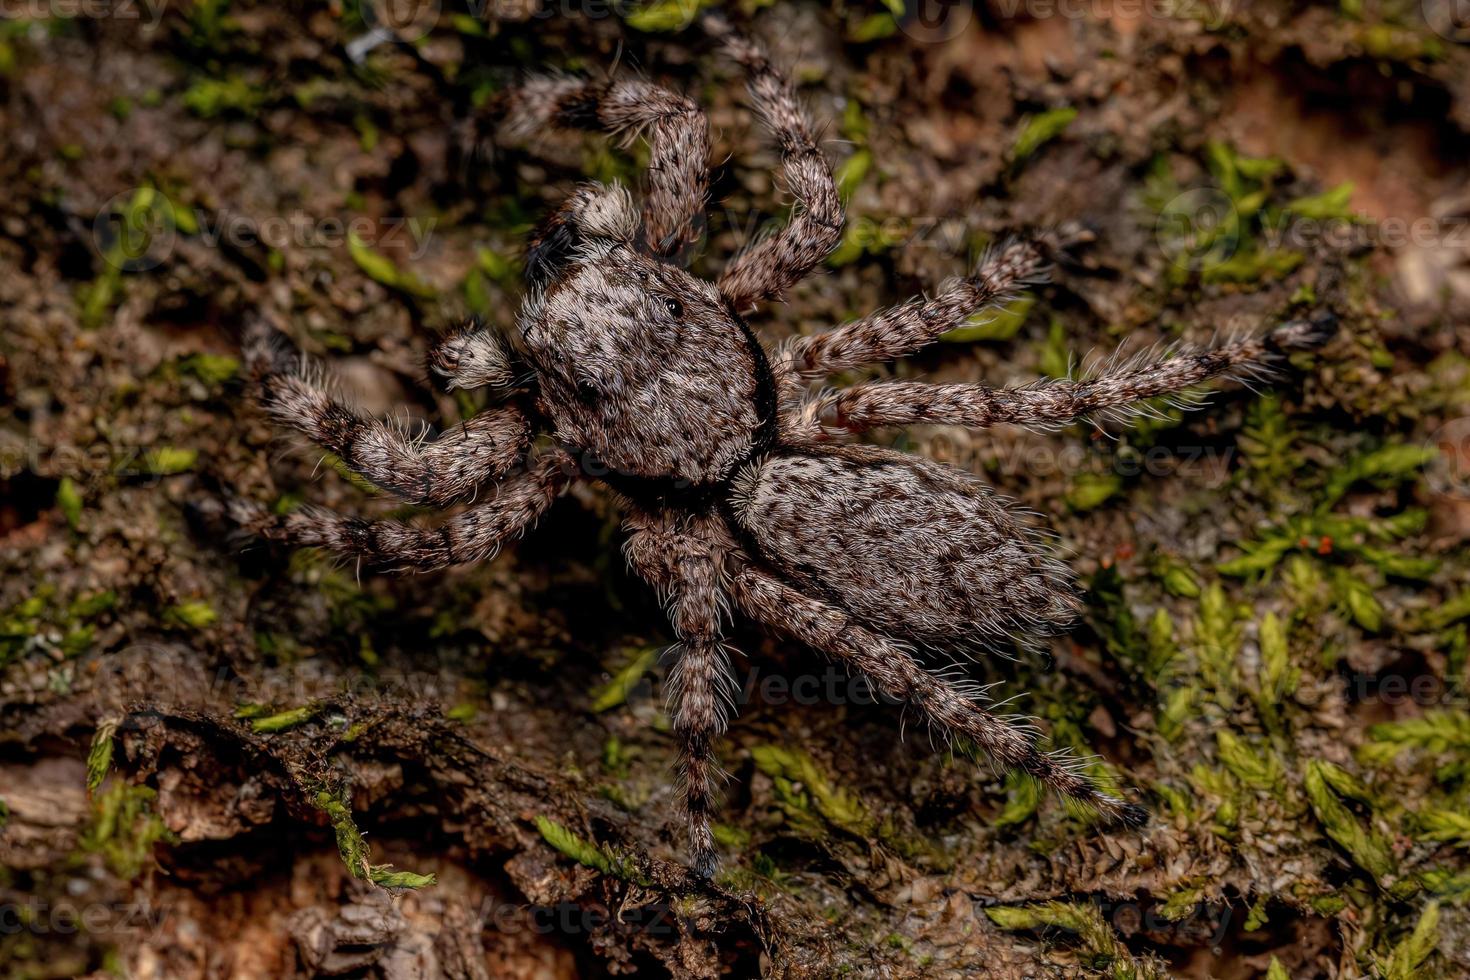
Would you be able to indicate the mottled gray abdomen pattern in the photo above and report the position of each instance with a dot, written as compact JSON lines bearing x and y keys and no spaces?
{"x":911,"y":547}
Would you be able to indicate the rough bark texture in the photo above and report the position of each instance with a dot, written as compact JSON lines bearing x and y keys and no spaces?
{"x":1273,"y":653}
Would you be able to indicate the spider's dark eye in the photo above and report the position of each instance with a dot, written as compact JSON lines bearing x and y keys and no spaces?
{"x":675,"y":308}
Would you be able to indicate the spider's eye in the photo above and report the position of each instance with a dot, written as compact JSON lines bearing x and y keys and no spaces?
{"x":675,"y":308}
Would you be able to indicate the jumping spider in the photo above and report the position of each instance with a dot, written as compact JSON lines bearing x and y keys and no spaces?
{"x":725,"y":458}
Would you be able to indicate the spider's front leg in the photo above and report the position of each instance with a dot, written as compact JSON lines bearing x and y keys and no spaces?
{"x":683,"y":557}
{"x":472,"y":535}
{"x":1058,"y":403}
{"x":677,"y":132}
{"x":429,"y":472}
{"x":776,"y":263}
{"x":901,"y":330}
{"x":894,"y":672}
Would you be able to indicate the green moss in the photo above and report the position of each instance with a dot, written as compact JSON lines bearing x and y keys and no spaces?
{"x":1276,"y":678}
{"x":1023,"y":801}
{"x":873,"y":27}
{"x":1328,"y":905}
{"x":1176,"y":800}
{"x":285,"y":720}
{"x":170,"y":460}
{"x":586,"y":853}
{"x":853,"y":171}
{"x":1383,"y":467}
{"x":1452,"y":885}
{"x":865,"y":236}
{"x":99,"y":756}
{"x":191,"y":615}
{"x":803,"y":790}
{"x":1256,"y":766}
{"x":1176,"y":578}
{"x":212,"y":369}
{"x":499,"y":269}
{"x":1253,"y":266}
{"x":1266,"y":442}
{"x":1445,"y":826}
{"x":1113,"y":618}
{"x":1160,"y":644}
{"x":124,"y":829}
{"x":1443,"y":734}
{"x":1357,"y":599}
{"x":1089,"y":491}
{"x":92,"y":604}
{"x":1040,"y":130}
{"x":1407,"y":959}
{"x":1368,"y":849}
{"x":1001,"y":323}
{"x":1217,"y":639}
{"x":69,"y":502}
{"x":662,"y":16}
{"x":211,"y":97}
{"x":477,"y":293}
{"x":1100,"y":949}
{"x":1181,"y":902}
{"x":1324,"y":206}
{"x":1256,"y":917}
{"x":735,"y":838}
{"x":1452,"y":610}
{"x":78,"y":640}
{"x":1218,"y":785}
{"x":380,"y":269}
{"x":1056,"y":357}
{"x":615,"y":756}
{"x":625,"y":680}
{"x":354,"y":849}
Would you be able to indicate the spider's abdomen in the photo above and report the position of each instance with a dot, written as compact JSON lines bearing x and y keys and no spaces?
{"x":911,"y":547}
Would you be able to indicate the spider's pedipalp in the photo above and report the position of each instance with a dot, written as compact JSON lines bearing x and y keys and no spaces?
{"x":472,"y":535}
{"x":896,"y":673}
{"x":429,"y":472}
{"x":473,"y":356}
{"x":1120,"y":388}
{"x":684,"y":558}
{"x":677,"y":133}
{"x":776,"y":263}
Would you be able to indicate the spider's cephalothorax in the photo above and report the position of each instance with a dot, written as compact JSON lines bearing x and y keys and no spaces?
{"x":740,"y":491}
{"x":640,"y":366}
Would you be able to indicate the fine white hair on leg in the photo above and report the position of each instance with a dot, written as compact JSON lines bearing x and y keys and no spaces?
{"x":432,"y":472}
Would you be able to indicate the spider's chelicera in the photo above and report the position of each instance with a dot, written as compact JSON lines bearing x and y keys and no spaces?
{"x":738,"y":488}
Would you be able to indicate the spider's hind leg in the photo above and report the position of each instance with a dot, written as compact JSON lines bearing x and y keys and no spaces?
{"x":894,"y":672}
{"x":683,"y":557}
{"x":472,"y":535}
